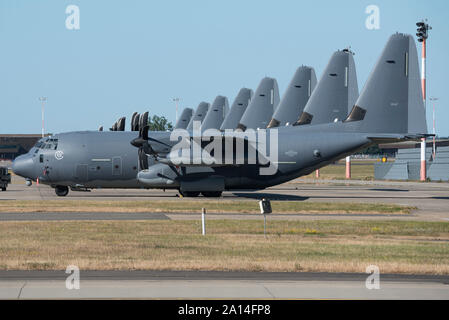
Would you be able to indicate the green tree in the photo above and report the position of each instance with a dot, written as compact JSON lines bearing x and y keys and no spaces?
{"x":157,"y":123}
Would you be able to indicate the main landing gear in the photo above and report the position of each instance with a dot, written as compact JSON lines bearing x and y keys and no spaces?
{"x":61,"y":191}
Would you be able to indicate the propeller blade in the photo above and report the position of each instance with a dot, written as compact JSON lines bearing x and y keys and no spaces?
{"x":133,"y":118}
{"x":121,"y":124}
{"x":143,"y":121}
{"x":143,"y":159}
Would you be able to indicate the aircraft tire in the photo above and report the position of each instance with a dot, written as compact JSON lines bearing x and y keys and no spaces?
{"x":3,"y":188}
{"x":211,"y":194}
{"x":61,"y":191}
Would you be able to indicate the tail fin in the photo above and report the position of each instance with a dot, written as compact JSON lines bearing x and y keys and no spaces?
{"x":184,"y":120}
{"x":238,"y":107}
{"x":199,"y":114}
{"x":295,"y":98}
{"x":335,"y":93}
{"x":391,"y":101}
{"x":216,"y":114}
{"x":262,"y":106}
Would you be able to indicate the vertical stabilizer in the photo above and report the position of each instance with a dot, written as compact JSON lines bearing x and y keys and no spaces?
{"x":295,"y":98}
{"x":184,"y":120}
{"x":238,"y":107}
{"x":391,"y":101}
{"x":216,"y":114}
{"x":199,"y":114}
{"x":261,"y":108}
{"x":335,"y":93}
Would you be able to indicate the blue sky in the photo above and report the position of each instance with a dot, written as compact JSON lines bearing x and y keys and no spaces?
{"x":137,"y":55}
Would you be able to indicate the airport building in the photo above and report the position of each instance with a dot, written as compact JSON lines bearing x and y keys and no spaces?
{"x":13,"y":145}
{"x":408,"y":162}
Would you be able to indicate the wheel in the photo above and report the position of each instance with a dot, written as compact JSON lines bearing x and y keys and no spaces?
{"x":211,"y":194}
{"x":3,"y":188}
{"x":61,"y":191}
{"x":190,"y":193}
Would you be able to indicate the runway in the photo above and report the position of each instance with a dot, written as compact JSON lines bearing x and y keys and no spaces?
{"x":431,"y":199}
{"x":218,"y":285}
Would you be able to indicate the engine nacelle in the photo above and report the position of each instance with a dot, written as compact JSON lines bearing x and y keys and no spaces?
{"x":159,"y":176}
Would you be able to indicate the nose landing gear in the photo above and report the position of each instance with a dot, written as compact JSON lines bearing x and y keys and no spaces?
{"x":61,"y":191}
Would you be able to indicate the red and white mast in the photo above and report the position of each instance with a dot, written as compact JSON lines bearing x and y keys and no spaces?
{"x":422,"y":34}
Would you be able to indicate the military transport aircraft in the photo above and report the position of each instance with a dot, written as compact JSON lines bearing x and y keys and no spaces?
{"x":102,"y":159}
{"x":390,"y":108}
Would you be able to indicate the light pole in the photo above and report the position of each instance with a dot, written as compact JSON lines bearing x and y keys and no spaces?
{"x":176,"y":100}
{"x":423,"y":34}
{"x":43,"y":100}
{"x":433,"y":122}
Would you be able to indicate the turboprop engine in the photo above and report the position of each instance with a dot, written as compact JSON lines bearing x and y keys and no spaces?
{"x":159,"y":176}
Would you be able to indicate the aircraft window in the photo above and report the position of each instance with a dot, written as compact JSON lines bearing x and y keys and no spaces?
{"x":391,"y":61}
{"x":48,"y":146}
{"x":37,"y":150}
{"x":333,"y":74}
{"x":298,"y":86}
{"x":41,"y":158}
{"x":240,"y":104}
{"x":262,"y":95}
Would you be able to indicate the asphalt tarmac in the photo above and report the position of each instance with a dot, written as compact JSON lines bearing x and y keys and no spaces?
{"x":431,"y":199}
{"x":213,"y":285}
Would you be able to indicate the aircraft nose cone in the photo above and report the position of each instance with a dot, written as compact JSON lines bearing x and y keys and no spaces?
{"x":23,"y":166}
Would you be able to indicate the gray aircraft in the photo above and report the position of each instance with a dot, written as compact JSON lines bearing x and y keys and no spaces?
{"x":295,"y":97}
{"x":265,"y":100}
{"x":184,"y":120}
{"x":336,"y":92}
{"x":199,"y":114}
{"x":216,"y":114}
{"x":390,"y":108}
{"x":237,"y":109}
{"x":95,"y":159}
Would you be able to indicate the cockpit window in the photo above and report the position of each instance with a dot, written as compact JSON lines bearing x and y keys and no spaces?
{"x":48,"y":144}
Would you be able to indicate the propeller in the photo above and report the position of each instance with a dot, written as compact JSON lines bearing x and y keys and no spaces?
{"x":141,"y":142}
{"x":145,"y":148}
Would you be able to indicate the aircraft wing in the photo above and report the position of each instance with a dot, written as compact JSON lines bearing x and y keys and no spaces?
{"x":393,"y":137}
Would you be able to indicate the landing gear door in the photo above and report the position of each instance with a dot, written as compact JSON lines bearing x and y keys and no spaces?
{"x":116,"y":166}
